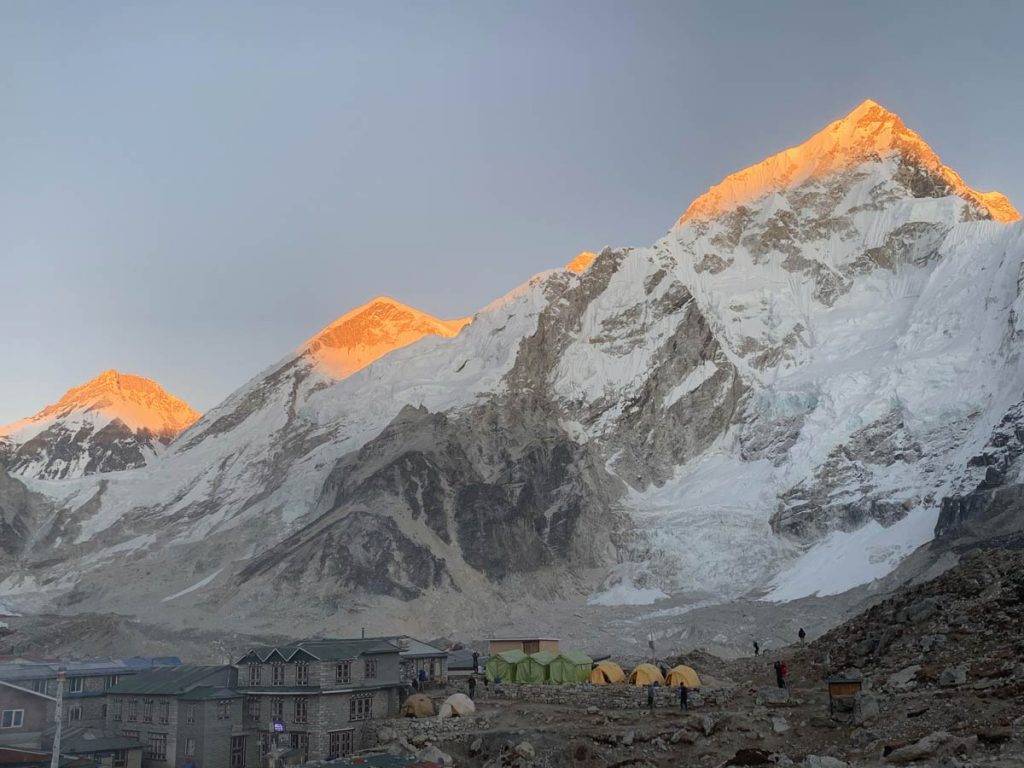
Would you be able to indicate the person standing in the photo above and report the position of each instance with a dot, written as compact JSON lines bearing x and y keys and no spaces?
{"x":476,"y":662}
{"x":784,"y":673}
{"x":778,"y":674}
{"x":650,"y":696}
{"x":801,"y":634}
{"x":684,"y":698}
{"x":757,"y":649}
{"x":472,"y":687}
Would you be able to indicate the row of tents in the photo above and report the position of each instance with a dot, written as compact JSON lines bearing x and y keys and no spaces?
{"x":573,"y":667}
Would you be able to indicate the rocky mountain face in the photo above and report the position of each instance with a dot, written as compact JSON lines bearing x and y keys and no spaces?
{"x":806,"y":364}
{"x":115,"y":421}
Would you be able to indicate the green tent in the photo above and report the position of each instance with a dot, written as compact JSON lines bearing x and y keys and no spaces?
{"x":503,"y":665}
{"x":534,"y":668}
{"x":570,"y":667}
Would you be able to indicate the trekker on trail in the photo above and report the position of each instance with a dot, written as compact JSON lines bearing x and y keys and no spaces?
{"x":757,"y":649}
{"x":779,"y":680}
{"x":476,"y":662}
{"x":684,"y":697}
{"x":784,"y":673}
{"x":472,"y":687}
{"x":801,"y":634}
{"x":650,"y":696}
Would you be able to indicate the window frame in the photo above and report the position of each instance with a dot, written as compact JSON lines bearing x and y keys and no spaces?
{"x":334,"y":743}
{"x":370,"y":668}
{"x":164,"y":712}
{"x":147,"y":710}
{"x":253,"y":708}
{"x":360,"y":708}
{"x":255,"y":674}
{"x":154,"y":739}
{"x":75,"y":713}
{"x":300,"y":709}
{"x":224,"y":709}
{"x":302,"y":673}
{"x":343,"y":672}
{"x":76,"y":684}
{"x":133,"y":711}
{"x":15,"y":715}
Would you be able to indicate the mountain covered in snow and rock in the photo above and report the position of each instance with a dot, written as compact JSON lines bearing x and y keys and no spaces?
{"x":115,"y":421}
{"x":775,"y":398}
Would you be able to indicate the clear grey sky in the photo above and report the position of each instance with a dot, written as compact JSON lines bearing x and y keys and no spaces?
{"x":189,"y":190}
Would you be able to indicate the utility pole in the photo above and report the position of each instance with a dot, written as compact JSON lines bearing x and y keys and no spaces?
{"x":59,"y":718}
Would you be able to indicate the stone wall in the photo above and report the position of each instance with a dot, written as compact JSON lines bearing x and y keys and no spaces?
{"x":600,"y":696}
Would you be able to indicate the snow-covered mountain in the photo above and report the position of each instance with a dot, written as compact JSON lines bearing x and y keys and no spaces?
{"x":778,"y":394}
{"x":112,"y":422}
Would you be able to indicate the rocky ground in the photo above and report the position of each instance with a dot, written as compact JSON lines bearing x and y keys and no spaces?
{"x":943,"y":684}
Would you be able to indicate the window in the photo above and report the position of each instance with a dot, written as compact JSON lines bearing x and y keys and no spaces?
{"x":343,"y":672}
{"x":133,"y":710}
{"x":277,"y":674}
{"x":190,"y":747}
{"x":277,"y":709}
{"x":300,"y":709}
{"x":263,"y":747}
{"x":190,"y":713}
{"x":360,"y":708}
{"x":238,"y":752}
{"x":39,"y":686}
{"x":147,"y":710}
{"x":301,"y":673}
{"x":74,"y":713}
{"x":118,"y":704}
{"x":371,"y":669}
{"x":224,"y":709}
{"x":252,"y":707}
{"x":165,"y":712}
{"x":120,"y":759}
{"x":112,"y":680}
{"x":254,"y":674}
{"x":130,"y":734}
{"x":156,"y":747}
{"x":339,"y":744}
{"x":12,"y":718}
{"x":76,"y":684}
{"x":300,"y":741}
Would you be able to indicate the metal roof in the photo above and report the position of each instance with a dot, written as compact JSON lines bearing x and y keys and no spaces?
{"x":87,"y":743}
{"x":417,"y":649}
{"x":324,"y":650}
{"x":174,"y":681}
{"x":209,"y":693}
{"x":37,"y":670}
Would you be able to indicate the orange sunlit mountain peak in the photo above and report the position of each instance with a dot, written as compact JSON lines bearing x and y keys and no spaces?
{"x":583,"y":260}
{"x":369,"y":332}
{"x":867,"y":133}
{"x":138,"y":402}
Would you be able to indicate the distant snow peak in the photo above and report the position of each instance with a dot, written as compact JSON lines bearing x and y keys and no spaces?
{"x":369,"y":332}
{"x":869,"y":132}
{"x":583,"y":260}
{"x":138,"y":402}
{"x":112,"y":422}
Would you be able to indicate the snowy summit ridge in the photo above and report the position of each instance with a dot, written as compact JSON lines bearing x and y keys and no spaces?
{"x":371,"y":331}
{"x":112,"y":422}
{"x":869,"y":132}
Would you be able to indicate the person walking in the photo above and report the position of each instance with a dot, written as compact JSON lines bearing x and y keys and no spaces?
{"x":476,"y":662}
{"x":778,"y":674}
{"x":757,"y":649}
{"x":801,"y":634}
{"x":684,"y":698}
{"x":472,"y":687}
{"x":650,"y":696}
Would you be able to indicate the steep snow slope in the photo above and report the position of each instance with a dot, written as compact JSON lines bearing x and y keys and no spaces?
{"x":114,"y":421}
{"x":811,"y":358}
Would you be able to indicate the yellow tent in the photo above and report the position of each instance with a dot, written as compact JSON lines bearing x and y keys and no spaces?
{"x":418,"y":705}
{"x":607,"y":672}
{"x":645,"y":674}
{"x":683,"y":675}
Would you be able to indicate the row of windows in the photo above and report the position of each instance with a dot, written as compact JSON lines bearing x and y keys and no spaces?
{"x":300,"y":709}
{"x":342,"y":672}
{"x":72,"y":684}
{"x":277,"y":674}
{"x":132,"y":713}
